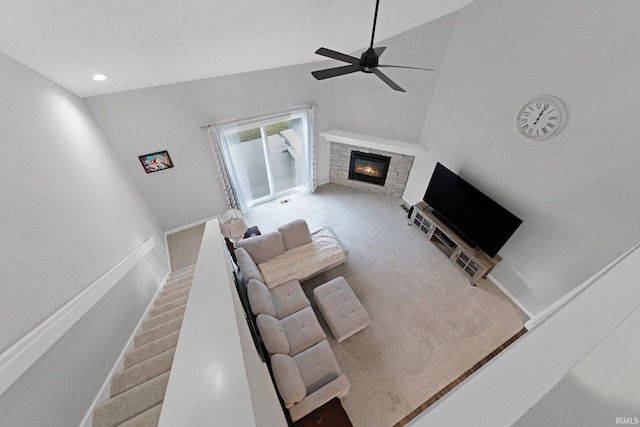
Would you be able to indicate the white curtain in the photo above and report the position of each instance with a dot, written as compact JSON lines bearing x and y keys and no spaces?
{"x":233,"y":201}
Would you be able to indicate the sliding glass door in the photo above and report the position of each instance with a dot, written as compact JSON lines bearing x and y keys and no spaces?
{"x":267,"y":157}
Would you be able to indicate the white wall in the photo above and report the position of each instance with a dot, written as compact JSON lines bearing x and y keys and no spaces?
{"x":596,"y":391}
{"x":169,"y":118}
{"x":577,"y":193}
{"x":364,"y":104}
{"x":69,"y":213}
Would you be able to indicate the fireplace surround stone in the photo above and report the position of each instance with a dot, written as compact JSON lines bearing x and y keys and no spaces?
{"x":397,"y":174}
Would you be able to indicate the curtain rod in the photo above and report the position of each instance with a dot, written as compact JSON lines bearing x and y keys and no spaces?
{"x":260,"y":116}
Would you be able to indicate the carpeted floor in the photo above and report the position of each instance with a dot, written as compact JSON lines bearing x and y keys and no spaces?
{"x":429,"y":324}
{"x":184,"y":247}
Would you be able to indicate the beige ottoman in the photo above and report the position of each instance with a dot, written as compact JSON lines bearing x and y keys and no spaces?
{"x":340,"y":307}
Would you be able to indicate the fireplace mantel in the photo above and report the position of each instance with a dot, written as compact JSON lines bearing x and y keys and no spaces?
{"x":374,"y":142}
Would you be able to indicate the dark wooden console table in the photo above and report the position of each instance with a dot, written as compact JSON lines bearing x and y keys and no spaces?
{"x":331,"y":414}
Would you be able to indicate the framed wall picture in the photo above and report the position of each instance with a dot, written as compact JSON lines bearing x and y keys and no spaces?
{"x":155,"y":162}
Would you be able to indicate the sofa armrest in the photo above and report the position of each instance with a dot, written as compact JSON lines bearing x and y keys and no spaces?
{"x":336,"y":388}
{"x":342,"y":246}
{"x":248,"y":268}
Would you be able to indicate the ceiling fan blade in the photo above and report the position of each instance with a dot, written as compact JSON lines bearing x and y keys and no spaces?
{"x":402,"y":66}
{"x":387,"y":80}
{"x":337,"y":55}
{"x":379,"y":50}
{"x":334,"y":72}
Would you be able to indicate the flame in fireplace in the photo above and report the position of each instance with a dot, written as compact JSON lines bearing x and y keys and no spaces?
{"x":368,"y":169}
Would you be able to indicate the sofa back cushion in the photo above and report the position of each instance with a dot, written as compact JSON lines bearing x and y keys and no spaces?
{"x":272,"y":333}
{"x":263,"y":248}
{"x":294,"y":234}
{"x":288,"y":380}
{"x":247,"y":266}
{"x":260,"y":298}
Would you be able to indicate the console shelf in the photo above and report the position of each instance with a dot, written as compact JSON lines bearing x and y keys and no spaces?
{"x":472,"y":262}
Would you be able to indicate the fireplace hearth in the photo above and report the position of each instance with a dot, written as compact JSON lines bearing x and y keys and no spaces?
{"x":369,"y":167}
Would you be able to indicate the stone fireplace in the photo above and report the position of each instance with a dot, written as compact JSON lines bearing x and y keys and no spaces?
{"x":367,"y":166}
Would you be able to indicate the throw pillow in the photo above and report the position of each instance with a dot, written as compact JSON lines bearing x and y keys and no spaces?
{"x":294,"y":234}
{"x":288,"y":379}
{"x":263,"y":248}
{"x":272,"y":334}
{"x":260,"y":298}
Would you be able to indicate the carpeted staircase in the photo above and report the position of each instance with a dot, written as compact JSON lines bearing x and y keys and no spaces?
{"x":137,"y":392}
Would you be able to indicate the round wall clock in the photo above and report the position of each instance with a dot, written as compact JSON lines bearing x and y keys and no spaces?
{"x":541,"y":117}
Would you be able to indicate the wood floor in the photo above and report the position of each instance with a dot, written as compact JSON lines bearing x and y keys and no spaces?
{"x":433,"y":399}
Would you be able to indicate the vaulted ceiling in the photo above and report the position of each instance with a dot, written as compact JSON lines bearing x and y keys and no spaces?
{"x":143,"y":43}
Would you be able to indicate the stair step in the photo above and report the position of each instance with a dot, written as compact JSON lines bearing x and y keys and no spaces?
{"x":168,"y":298}
{"x":179,"y":287}
{"x":143,"y":371}
{"x":131,"y":403}
{"x":173,"y":282}
{"x":142,"y":353}
{"x":149,"y":418}
{"x":163,"y":318}
{"x":183,"y":271}
{"x":169,"y":306}
{"x":157,"y":332}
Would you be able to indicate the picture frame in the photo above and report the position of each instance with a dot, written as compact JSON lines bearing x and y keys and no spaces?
{"x":155,"y":162}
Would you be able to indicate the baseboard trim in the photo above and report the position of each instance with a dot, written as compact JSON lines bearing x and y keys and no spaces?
{"x":105,"y":390}
{"x":25,"y":352}
{"x":509,"y":295}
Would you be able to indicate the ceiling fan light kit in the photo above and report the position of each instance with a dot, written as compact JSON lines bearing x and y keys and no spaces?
{"x":367,"y":63}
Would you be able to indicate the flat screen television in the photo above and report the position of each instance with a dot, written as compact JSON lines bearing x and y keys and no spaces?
{"x":471,"y":214}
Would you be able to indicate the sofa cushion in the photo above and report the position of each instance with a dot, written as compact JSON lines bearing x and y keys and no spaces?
{"x":263,"y":248}
{"x":288,"y":380}
{"x":294,"y":234}
{"x":260,"y":298}
{"x":272,"y":333}
{"x":317,"y":366}
{"x":302,"y":330}
{"x":288,"y":298}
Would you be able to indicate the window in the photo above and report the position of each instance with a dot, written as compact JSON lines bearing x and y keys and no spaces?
{"x":269,"y":156}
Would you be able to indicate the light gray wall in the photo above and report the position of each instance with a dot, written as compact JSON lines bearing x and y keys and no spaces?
{"x":364,"y":104}
{"x":169,"y":118}
{"x":69,"y":214}
{"x":578,"y":193}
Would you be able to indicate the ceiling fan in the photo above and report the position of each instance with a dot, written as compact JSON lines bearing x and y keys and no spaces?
{"x":367,"y":63}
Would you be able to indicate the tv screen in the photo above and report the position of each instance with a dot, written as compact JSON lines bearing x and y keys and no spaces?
{"x":475,"y":217}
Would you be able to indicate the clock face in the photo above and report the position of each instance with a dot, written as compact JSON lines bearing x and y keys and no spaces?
{"x":541,"y":118}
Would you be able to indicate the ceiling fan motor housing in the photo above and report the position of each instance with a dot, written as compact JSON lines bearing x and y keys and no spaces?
{"x":369,"y":59}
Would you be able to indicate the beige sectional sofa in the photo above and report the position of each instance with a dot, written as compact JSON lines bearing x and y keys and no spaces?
{"x":304,"y":367}
{"x":292,"y":252}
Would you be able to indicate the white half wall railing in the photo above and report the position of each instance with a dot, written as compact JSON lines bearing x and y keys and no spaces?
{"x":217,"y":377}
{"x":25,"y":352}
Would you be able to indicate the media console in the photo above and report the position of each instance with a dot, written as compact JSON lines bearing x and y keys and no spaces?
{"x":472,"y":262}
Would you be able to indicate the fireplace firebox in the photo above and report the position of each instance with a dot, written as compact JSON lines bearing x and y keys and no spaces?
{"x":369,"y":167}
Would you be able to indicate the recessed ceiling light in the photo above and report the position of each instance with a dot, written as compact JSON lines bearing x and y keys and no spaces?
{"x":99,"y":77}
